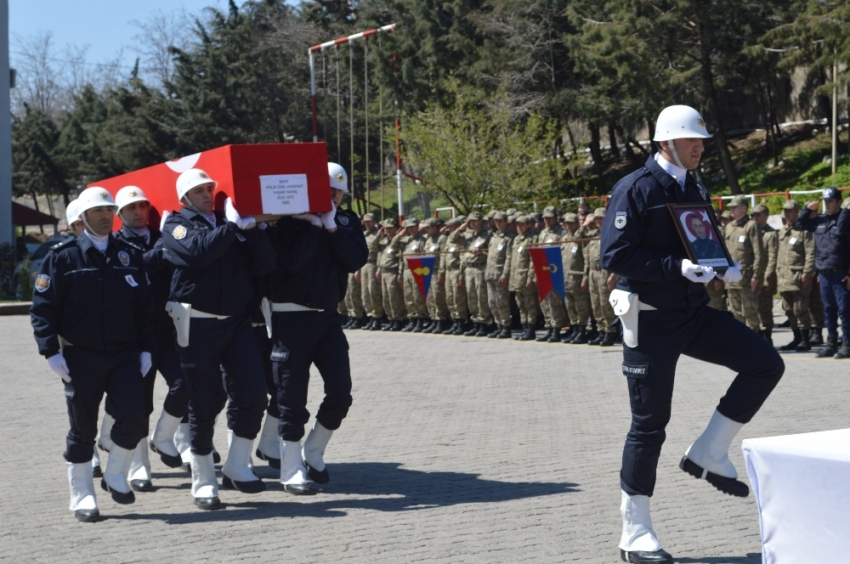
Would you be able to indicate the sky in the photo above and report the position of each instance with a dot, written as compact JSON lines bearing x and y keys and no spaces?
{"x":102,"y":25}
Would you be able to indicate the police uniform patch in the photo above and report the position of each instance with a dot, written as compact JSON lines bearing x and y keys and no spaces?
{"x":241,"y":238}
{"x":124,"y":258}
{"x":620,"y":219}
{"x":131,"y":281}
{"x":343,"y":219}
{"x":179,"y":232}
{"x":42,"y":283}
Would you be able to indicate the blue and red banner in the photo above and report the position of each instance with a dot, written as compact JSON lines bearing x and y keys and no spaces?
{"x":549,"y":270}
{"x":422,"y":268}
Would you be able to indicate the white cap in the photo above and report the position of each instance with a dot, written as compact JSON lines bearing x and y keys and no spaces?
{"x":129,"y":194}
{"x":94,"y":197}
{"x":192,"y":178}
{"x":72,"y":212}
{"x":339,"y":178}
{"x":680,"y":122}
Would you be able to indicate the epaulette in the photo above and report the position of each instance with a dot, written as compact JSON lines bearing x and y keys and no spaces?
{"x":130,"y":244}
{"x":62,"y":244}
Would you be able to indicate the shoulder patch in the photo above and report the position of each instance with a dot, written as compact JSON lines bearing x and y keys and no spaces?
{"x":64,"y":243}
{"x":179,"y":232}
{"x":42,"y":283}
{"x":620,"y":219}
{"x":124,"y":258}
{"x":343,"y":219}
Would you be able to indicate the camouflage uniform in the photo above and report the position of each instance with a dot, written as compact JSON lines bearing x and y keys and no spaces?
{"x":572,"y":255}
{"x":455,"y":293}
{"x":412,"y":295}
{"x":518,"y":267}
{"x":795,"y":258}
{"x":473,"y":272}
{"x":552,"y":305}
{"x":371,"y":287}
{"x":353,"y":299}
{"x":498,"y":296}
{"x":599,"y":292}
{"x":718,"y":297}
{"x":437,"y":293}
{"x":388,"y":264}
{"x":768,"y":237}
{"x":745,"y":246}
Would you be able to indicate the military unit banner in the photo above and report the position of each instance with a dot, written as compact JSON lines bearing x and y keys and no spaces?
{"x":549,"y":270}
{"x":422,"y":268}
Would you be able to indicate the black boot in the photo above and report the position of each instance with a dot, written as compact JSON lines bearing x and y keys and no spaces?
{"x":518,"y":336}
{"x":792,"y":346}
{"x":596,"y":340}
{"x":417,"y":327}
{"x":545,"y":336}
{"x":397,"y":325}
{"x":505,"y":333}
{"x":376,"y":324}
{"x":451,"y":328}
{"x":473,"y":330}
{"x":844,"y":351}
{"x":608,"y":340}
{"x":347,"y":322}
{"x":580,"y":338}
{"x":409,"y":325}
{"x":483,"y":330}
{"x":768,"y":335}
{"x":528,"y":334}
{"x":429,"y":326}
{"x":356,"y":323}
{"x":829,"y":350}
{"x":568,"y":336}
{"x":592,"y":335}
{"x":494,"y":333}
{"x":388,"y":326}
{"x":370,"y":325}
{"x":816,"y":339}
{"x":555,"y":337}
{"x":459,"y":328}
{"x":804,"y":341}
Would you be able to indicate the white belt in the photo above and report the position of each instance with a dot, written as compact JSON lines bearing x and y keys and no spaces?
{"x":289,"y":306}
{"x":205,"y":315}
{"x":258,"y":325}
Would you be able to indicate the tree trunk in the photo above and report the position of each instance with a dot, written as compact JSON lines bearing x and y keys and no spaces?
{"x":612,"y":139}
{"x":596,"y":151}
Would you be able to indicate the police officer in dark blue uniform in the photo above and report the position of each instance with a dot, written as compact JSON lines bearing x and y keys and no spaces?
{"x":315,"y":254}
{"x":662,"y":303}
{"x":832,"y":261}
{"x":134,"y":211}
{"x":93,"y":320}
{"x":215,"y":261}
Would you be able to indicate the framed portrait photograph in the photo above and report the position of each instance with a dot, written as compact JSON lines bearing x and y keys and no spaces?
{"x":701,"y":235}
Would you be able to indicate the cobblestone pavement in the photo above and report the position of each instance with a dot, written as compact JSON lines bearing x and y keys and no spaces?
{"x":456,"y":450}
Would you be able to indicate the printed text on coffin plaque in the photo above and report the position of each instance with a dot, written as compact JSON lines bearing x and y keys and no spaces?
{"x":284,"y":194}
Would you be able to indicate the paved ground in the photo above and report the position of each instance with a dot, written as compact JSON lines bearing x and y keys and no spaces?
{"x":456,"y":450}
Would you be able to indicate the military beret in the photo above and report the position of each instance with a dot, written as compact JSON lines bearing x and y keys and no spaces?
{"x":389,"y":222}
{"x":791,"y":205}
{"x":739,"y":200}
{"x":411,"y":222}
{"x":500,"y":215}
{"x":570,"y":217}
{"x":369,"y":217}
{"x":474,"y":216}
{"x":761,"y":208}
{"x":599,"y":212}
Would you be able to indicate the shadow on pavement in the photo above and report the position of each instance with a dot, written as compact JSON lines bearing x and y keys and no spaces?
{"x":750,"y":558}
{"x":376,"y":486}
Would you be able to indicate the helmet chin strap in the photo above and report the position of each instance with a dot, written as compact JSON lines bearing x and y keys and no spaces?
{"x":186,"y":202}
{"x":671,"y":144}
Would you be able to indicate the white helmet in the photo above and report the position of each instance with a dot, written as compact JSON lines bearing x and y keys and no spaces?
{"x":339,"y":178}
{"x":192,"y":178}
{"x":72,"y":212}
{"x":680,"y":122}
{"x":94,"y":197}
{"x":129,"y":194}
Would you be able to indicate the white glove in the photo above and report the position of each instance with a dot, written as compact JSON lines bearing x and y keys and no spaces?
{"x":311,"y":217}
{"x":732,"y":274}
{"x":696,"y":273}
{"x":165,"y":215}
{"x":146,"y":362}
{"x":233,"y":216}
{"x":58,"y":365}
{"x":329,"y":218}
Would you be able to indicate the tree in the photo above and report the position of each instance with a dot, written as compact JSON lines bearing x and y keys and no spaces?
{"x":34,"y":164}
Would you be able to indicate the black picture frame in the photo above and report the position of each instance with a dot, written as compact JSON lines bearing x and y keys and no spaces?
{"x":703,"y":241}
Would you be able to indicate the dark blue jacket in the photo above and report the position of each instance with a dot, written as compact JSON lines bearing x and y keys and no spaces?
{"x":159,"y":273}
{"x":832,"y":248}
{"x":214,"y":268}
{"x":313,"y":264}
{"x":95,"y":301}
{"x":640,"y":241}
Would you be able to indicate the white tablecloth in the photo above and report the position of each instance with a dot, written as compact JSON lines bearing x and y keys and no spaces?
{"x":802,"y":488}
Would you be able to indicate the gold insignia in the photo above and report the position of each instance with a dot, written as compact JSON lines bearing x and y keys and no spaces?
{"x":132,"y":193}
{"x":179,"y":232}
{"x":42,"y":283}
{"x":340,"y":177}
{"x":701,"y":123}
{"x":203,"y":174}
{"x":104,"y":195}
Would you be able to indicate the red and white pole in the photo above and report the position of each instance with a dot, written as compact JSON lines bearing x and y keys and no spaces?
{"x":398,"y":169}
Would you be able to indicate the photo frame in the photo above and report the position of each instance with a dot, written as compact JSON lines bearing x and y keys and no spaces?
{"x":701,"y":236}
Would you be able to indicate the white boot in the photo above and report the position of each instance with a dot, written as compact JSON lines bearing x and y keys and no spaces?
{"x":711,"y":450}
{"x":184,"y":447}
{"x":314,"y":453}
{"x":83,"y":500}
{"x":95,"y":463}
{"x":139,"y":475}
{"x":104,"y":439}
{"x":230,"y":441}
{"x":204,"y":484}
{"x":236,"y":472}
{"x":162,"y":440}
{"x":638,"y":535}
{"x":293,"y":474}
{"x":115,"y":475}
{"x":268,"y":448}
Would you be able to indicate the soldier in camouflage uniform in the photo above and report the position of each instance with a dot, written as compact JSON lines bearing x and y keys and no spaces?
{"x":497,"y":275}
{"x":768,"y":238}
{"x":601,"y":284}
{"x":473,"y":237}
{"x":369,"y":283}
{"x":455,"y":290}
{"x":745,"y":245}
{"x":441,"y":297}
{"x":795,"y":269}
{"x":716,"y":289}
{"x":552,"y":305}
{"x":576,"y":281}
{"x":388,"y":245}
{"x":354,"y":302}
{"x":518,"y":267}
{"x":414,"y":244}
{"x":431,"y":246}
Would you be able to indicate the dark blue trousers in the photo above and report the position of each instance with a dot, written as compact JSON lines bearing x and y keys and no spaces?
{"x":300,"y":339}
{"x":836,"y":304}
{"x":94,"y":374}
{"x":226,"y":346}
{"x":650,"y":368}
{"x":265,"y":345}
